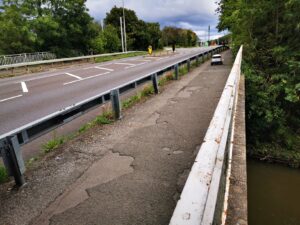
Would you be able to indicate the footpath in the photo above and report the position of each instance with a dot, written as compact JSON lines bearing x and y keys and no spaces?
{"x":130,"y":172}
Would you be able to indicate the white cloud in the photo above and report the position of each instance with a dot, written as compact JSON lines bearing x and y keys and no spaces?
{"x":192,"y":14}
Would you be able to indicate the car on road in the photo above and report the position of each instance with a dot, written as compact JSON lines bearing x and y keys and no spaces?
{"x":216,"y":59}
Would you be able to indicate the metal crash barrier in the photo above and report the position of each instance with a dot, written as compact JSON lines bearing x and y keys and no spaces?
{"x":202,"y":199}
{"x":11,"y":142}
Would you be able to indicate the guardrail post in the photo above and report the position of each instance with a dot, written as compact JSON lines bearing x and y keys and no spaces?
{"x":155,"y":83}
{"x":116,"y":104}
{"x":13,"y":160}
{"x":188,"y":65}
{"x":197,"y":60}
{"x":176,"y":72}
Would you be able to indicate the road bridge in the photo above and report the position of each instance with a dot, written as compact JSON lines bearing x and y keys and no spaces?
{"x":133,"y":171}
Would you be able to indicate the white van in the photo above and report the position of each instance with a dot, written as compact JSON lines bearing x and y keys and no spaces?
{"x":216,"y":59}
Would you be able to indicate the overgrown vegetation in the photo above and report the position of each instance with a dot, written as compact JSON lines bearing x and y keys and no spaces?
{"x":114,"y":57}
{"x":53,"y":144}
{"x":269,"y":31}
{"x":103,"y":119}
{"x":3,"y":175}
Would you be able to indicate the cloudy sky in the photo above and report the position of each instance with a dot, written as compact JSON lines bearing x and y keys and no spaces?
{"x":196,"y":15}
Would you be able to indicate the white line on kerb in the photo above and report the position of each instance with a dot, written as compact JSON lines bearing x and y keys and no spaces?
{"x":127,"y":64}
{"x":72,"y":75}
{"x":103,"y":68}
{"x":6,"y":99}
{"x":24,"y":87}
{"x":74,"y":81}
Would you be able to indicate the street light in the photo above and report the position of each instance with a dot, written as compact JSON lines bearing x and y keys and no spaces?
{"x":125,"y":41}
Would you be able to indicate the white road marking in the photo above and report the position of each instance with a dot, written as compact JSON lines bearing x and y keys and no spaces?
{"x":103,"y":68}
{"x":74,"y":81}
{"x":126,"y":64}
{"x":142,"y":60}
{"x":24,"y":87}
{"x":128,"y":67}
{"x":6,"y":99}
{"x":72,"y":75}
{"x":163,"y":58}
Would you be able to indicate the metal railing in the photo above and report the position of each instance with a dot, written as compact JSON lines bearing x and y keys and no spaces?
{"x":54,"y":61}
{"x":202,"y":199}
{"x":11,"y":142}
{"x":25,"y":57}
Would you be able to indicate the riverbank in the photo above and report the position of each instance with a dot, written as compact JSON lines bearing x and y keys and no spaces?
{"x":275,"y":154}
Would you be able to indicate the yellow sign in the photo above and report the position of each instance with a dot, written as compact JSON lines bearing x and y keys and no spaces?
{"x":150,"y":50}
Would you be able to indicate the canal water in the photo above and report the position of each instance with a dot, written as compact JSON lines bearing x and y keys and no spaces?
{"x":273,"y":194}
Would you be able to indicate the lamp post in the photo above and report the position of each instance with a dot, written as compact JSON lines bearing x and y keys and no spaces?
{"x":124,"y":26}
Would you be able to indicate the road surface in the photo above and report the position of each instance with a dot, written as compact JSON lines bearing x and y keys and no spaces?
{"x":26,"y":98}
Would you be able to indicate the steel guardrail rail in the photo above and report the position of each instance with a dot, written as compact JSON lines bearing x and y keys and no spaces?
{"x":25,"y":57}
{"x":11,"y":142}
{"x":202,"y":199}
{"x":11,"y":66}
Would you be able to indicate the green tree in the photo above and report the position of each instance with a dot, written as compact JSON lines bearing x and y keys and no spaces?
{"x":269,"y":31}
{"x":111,"y":40}
{"x":16,"y":36}
{"x":139,"y":34}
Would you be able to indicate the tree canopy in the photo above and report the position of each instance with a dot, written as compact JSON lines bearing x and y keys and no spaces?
{"x":269,"y":31}
{"x":179,"y":36}
{"x":65,"y":28}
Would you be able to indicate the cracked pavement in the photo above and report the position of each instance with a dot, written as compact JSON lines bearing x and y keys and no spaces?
{"x":128,"y":173}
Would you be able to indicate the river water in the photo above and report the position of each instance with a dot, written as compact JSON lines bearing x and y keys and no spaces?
{"x":273,"y":194}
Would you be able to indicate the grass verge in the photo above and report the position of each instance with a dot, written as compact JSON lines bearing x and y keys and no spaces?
{"x":122,"y":56}
{"x":3,"y":175}
{"x":103,"y":119}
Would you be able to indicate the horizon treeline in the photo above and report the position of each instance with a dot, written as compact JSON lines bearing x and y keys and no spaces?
{"x":66,"y":29}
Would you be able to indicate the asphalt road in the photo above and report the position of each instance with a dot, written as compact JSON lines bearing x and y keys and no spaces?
{"x":130,"y":172}
{"x":26,"y":98}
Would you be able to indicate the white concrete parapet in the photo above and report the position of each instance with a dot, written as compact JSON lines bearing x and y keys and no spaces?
{"x":198,"y":203}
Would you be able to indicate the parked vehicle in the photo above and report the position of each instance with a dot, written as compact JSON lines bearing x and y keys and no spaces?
{"x":216,"y":60}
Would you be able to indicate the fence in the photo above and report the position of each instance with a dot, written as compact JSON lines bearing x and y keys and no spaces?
{"x":202,"y":198}
{"x":25,"y":57}
{"x":52,"y":62}
{"x":11,"y":142}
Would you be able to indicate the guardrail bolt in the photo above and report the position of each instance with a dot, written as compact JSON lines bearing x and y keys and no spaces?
{"x":116,"y":104}
{"x":155,"y":83}
{"x":13,"y":160}
{"x":176,"y":71}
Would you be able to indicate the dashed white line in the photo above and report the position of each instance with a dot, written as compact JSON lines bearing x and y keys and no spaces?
{"x":72,"y":75}
{"x":163,"y":58}
{"x":126,"y":64}
{"x":6,"y":99}
{"x":103,"y":68}
{"x":134,"y":65}
{"x":82,"y":79}
{"x":142,"y":60}
{"x":24,"y":87}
